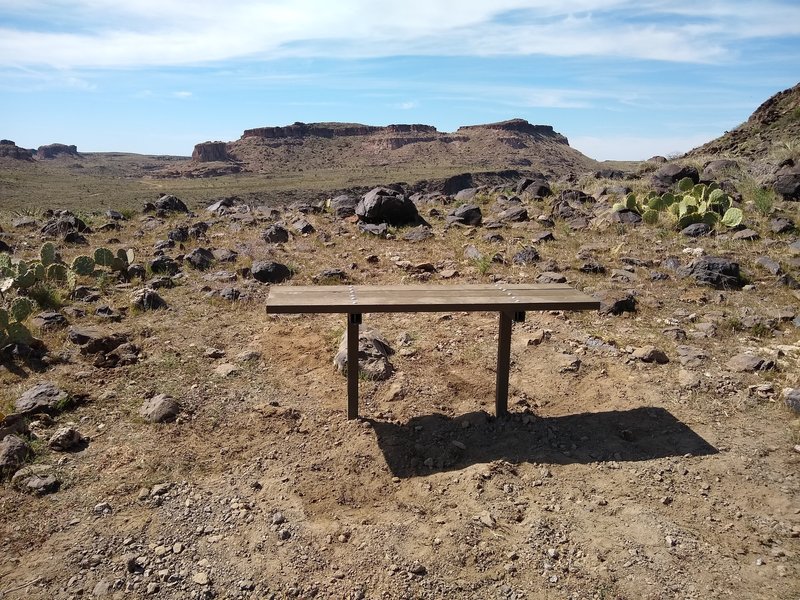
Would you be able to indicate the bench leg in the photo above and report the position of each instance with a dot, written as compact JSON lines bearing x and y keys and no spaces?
{"x":353,"y":321}
{"x":503,"y":365}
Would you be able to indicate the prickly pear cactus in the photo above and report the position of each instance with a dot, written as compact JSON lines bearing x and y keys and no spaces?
{"x":38,"y":271}
{"x":57,"y":272}
{"x":19,"y":334}
{"x":25,"y":280}
{"x":104,"y":257}
{"x":48,"y":253}
{"x":21,"y":308}
{"x":732,"y":217}
{"x":83,"y":265}
{"x":4,"y":318}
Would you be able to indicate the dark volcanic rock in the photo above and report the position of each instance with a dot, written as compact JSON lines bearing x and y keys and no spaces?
{"x":164,"y":264}
{"x":13,"y":452}
{"x":668,"y":175}
{"x":781,"y":225}
{"x":386,"y":205}
{"x":615,"y":302}
{"x":696,"y":230}
{"x":768,"y":264}
{"x":716,"y":169}
{"x":276,"y":234}
{"x":93,"y":340}
{"x":45,"y":397}
{"x":49,"y":320}
{"x":715,"y":271}
{"x":63,"y":224}
{"x":147,"y":299}
{"x":172,"y":203}
{"x":5,"y":248}
{"x":467,"y":214}
{"x":159,"y":409}
{"x":626,"y":217}
{"x":343,"y":206}
{"x":526,"y":256}
{"x":418,"y":234}
{"x":787,"y":183}
{"x":270,"y":272}
{"x":456,"y":183}
{"x":302,"y":226}
{"x":200,"y":258}
{"x":380,"y":230}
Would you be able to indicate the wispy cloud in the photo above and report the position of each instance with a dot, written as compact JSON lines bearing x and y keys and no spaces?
{"x":141,"y":33}
{"x":409,"y":105}
{"x":182,"y":94}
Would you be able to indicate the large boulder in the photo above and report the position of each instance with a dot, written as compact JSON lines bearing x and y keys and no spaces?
{"x":159,"y":409}
{"x":270,"y":272}
{"x":276,"y":234}
{"x":787,"y":183}
{"x":170,"y":203}
{"x":386,"y":205}
{"x":671,"y":173}
{"x":44,"y":397}
{"x":715,"y":271}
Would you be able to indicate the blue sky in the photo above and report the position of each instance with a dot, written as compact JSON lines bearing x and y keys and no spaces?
{"x":621,"y":79}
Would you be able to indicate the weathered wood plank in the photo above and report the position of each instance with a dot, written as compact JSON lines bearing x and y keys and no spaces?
{"x":427,"y":298}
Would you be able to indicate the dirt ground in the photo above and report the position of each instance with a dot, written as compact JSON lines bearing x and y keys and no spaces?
{"x":612,"y":478}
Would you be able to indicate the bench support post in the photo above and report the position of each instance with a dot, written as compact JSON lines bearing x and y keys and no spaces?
{"x":503,"y":365}
{"x":353,"y":321}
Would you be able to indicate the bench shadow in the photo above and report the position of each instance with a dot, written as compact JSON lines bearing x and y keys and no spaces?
{"x":437,"y":442}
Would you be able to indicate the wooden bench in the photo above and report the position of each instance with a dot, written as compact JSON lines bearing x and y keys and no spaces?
{"x":510,"y":301}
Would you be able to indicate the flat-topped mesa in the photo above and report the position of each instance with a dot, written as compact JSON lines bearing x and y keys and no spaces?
{"x":520,"y":126}
{"x":210,"y":152}
{"x":299,"y":130}
{"x":55,"y":150}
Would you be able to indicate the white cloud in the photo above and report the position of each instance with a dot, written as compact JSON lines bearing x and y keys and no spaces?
{"x":140,"y":33}
{"x":181,"y":94}
{"x":411,"y":104}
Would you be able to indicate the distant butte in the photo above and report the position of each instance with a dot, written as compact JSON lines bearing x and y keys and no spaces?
{"x":307,"y":146}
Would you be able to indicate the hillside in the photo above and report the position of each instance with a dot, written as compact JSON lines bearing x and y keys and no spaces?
{"x":771,"y":132}
{"x":308,"y":147}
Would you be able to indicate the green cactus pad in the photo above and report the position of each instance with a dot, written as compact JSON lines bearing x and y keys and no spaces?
{"x":685,"y":184}
{"x":103,"y":257}
{"x":83,"y":265}
{"x":689,"y":219}
{"x":618,"y":206}
{"x":5,"y":261}
{"x":48,"y":253}
{"x":19,"y":334}
{"x":650,"y":216}
{"x":21,"y":308}
{"x":732,"y":217}
{"x":25,"y":281}
{"x":38,"y":271}
{"x":57,"y":272}
{"x":4,"y":318}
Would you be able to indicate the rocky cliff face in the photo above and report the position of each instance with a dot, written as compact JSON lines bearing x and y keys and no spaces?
{"x":299,"y":130}
{"x":9,"y":149}
{"x":55,"y":150}
{"x":210,"y":152}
